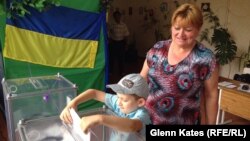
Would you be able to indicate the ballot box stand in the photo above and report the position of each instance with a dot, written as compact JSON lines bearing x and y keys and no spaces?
{"x":34,"y":98}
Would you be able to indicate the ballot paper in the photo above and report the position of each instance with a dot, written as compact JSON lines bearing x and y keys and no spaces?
{"x":224,"y":83}
{"x":76,"y":126}
{"x":227,"y":84}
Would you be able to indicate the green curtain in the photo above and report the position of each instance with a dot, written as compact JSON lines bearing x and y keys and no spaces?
{"x":84,"y":78}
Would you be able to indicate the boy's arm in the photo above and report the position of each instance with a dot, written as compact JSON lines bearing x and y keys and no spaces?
{"x":84,"y":96}
{"x":114,"y":122}
{"x":88,"y":95}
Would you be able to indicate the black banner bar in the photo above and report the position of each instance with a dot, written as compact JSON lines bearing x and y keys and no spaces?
{"x":198,"y":132}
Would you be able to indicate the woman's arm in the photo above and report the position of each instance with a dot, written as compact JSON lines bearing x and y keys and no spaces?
{"x":84,"y":96}
{"x":115,"y":122}
{"x":211,"y":97}
{"x":144,"y":71}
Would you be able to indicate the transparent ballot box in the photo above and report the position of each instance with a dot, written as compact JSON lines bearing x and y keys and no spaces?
{"x":35,"y":97}
{"x":53,"y":129}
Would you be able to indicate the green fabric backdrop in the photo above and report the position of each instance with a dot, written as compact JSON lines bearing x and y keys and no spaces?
{"x":84,"y":78}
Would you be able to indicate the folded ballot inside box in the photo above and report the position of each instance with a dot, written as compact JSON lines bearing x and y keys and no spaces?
{"x":35,"y":98}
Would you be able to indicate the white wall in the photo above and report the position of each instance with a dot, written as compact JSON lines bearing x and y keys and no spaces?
{"x":233,"y":14}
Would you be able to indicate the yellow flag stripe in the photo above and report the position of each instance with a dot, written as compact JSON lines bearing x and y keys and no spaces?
{"x":37,"y":48}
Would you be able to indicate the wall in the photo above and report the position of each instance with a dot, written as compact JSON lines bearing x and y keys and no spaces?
{"x":232,"y":14}
{"x":142,"y":26}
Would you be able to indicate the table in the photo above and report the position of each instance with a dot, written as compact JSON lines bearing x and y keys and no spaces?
{"x":233,"y":100}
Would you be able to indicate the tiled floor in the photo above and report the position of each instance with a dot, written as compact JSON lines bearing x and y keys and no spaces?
{"x":132,"y":67}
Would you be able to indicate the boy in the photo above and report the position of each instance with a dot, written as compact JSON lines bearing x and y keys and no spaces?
{"x":128,"y":104}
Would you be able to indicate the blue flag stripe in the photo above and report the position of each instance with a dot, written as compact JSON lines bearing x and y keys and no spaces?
{"x":63,"y":22}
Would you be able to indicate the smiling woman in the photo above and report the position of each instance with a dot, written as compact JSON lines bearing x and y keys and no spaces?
{"x":180,"y":71}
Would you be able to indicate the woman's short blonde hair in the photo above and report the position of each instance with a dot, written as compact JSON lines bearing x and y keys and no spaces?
{"x":188,"y":14}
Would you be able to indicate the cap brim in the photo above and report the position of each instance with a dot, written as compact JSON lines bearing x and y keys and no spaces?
{"x":119,"y":89}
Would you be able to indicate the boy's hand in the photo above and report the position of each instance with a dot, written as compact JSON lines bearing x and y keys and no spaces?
{"x":88,"y":122}
{"x":65,"y":114}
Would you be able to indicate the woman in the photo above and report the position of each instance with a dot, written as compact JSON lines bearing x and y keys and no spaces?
{"x":180,"y":71}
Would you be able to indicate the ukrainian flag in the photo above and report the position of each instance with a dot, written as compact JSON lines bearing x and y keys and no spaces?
{"x":69,"y":39}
